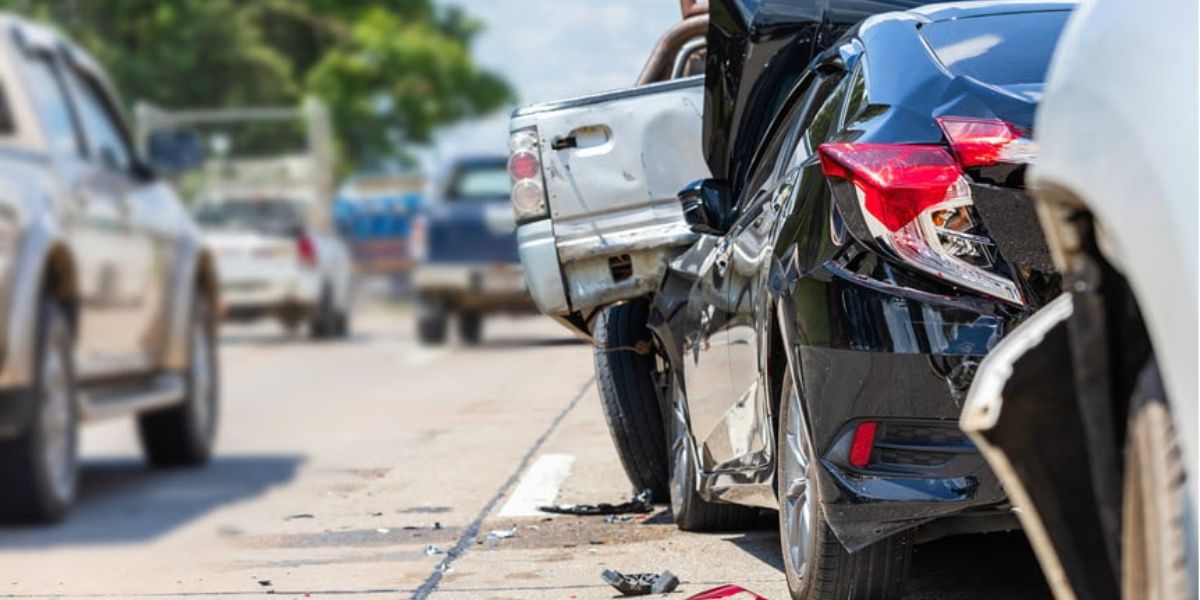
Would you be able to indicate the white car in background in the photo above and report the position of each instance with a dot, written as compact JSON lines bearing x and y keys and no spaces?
{"x":1102,"y":465}
{"x":273,"y":263}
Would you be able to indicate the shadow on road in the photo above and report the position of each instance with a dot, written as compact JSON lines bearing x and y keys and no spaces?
{"x":123,"y":501}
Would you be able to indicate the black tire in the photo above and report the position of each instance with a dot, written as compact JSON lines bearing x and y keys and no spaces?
{"x":628,"y":395}
{"x":431,"y":322}
{"x":324,"y":320}
{"x":470,"y":328}
{"x":819,"y":567}
{"x":184,"y":435}
{"x":342,"y":324}
{"x":689,"y":509}
{"x":1154,"y":540}
{"x":40,"y":469}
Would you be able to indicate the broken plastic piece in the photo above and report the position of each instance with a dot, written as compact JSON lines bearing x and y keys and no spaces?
{"x":640,"y":503}
{"x":502,"y":534}
{"x":727,"y":591}
{"x":432,"y":550}
{"x":641,"y":584}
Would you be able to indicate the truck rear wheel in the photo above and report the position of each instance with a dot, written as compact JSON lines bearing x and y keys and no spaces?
{"x":40,"y":468}
{"x":431,"y":322}
{"x":184,"y":434}
{"x":1154,"y":541}
{"x":625,"y":374}
{"x":470,"y":328}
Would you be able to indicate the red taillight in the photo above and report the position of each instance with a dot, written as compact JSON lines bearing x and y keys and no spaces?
{"x":523,"y":165}
{"x":306,"y":249}
{"x":897,"y":182}
{"x":862,"y":444}
{"x":985,"y":142}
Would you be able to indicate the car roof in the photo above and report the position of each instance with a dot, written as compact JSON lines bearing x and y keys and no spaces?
{"x":949,"y":11}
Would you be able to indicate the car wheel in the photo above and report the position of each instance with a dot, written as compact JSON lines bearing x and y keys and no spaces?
{"x":629,"y":396}
{"x":691,"y":511}
{"x":184,"y":434}
{"x":1154,"y":547}
{"x":342,"y":327}
{"x":815,"y":562}
{"x":40,"y":469}
{"x":470,"y":328}
{"x":431,"y":322}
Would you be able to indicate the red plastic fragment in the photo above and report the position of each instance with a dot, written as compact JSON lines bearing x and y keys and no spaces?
{"x":726,"y":591}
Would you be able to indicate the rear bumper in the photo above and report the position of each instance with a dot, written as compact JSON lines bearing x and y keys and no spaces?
{"x":265,"y":294}
{"x":905,"y":363}
{"x":1025,"y":414}
{"x":475,"y":287}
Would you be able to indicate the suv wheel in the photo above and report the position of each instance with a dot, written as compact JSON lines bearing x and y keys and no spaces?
{"x":184,"y":434}
{"x":1154,"y":547}
{"x":629,"y":395}
{"x":815,"y":562}
{"x":40,"y":469}
{"x":691,"y":511}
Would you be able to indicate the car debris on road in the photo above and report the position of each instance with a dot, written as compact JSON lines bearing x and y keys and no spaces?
{"x":641,"y":584}
{"x":641,"y":503}
{"x":727,"y":591}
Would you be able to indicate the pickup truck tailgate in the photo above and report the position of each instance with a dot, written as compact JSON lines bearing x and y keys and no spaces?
{"x":612,"y":165}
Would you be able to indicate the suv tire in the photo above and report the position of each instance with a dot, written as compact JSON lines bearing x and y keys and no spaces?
{"x":40,"y":469}
{"x":1154,"y":540}
{"x":183,"y":435}
{"x":628,"y":395}
{"x":470,"y":328}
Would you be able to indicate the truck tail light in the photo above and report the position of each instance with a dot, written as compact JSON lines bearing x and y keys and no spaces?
{"x":418,"y":239}
{"x":916,"y":199}
{"x":306,"y":250}
{"x":525,"y":169}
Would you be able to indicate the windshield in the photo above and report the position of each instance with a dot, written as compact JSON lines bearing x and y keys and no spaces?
{"x":480,"y":184}
{"x":1010,"y":49}
{"x":279,"y":217}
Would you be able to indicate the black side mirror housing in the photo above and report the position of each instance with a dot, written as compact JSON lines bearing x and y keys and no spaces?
{"x":170,"y":152}
{"x":707,"y":206}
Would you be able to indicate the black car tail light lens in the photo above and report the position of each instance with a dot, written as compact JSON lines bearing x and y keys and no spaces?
{"x":916,"y":199}
{"x":525,"y":169}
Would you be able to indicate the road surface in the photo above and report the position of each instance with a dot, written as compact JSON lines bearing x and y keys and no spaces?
{"x":374,"y":467}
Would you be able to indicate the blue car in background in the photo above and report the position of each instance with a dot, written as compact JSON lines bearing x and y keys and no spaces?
{"x":466,"y":248}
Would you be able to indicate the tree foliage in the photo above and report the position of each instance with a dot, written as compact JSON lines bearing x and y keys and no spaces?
{"x":392,"y":71}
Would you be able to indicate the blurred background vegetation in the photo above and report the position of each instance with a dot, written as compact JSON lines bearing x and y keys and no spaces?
{"x":391,"y":71}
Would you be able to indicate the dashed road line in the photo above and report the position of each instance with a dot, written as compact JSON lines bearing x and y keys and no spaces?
{"x":539,"y":487}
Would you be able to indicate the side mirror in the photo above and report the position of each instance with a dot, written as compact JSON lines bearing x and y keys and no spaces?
{"x":173,"y":151}
{"x":707,"y":206}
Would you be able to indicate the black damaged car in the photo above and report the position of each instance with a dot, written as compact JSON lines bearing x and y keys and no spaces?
{"x":866,"y":239}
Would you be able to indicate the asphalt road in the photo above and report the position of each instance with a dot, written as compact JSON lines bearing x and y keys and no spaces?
{"x":374,"y":467}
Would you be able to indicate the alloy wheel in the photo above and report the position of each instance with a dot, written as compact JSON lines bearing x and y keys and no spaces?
{"x":201,"y":380}
{"x":795,"y":492}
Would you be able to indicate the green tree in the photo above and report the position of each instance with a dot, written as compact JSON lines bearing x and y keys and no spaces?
{"x":392,"y":71}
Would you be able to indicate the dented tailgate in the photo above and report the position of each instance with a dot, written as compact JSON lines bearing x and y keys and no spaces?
{"x":612,"y":165}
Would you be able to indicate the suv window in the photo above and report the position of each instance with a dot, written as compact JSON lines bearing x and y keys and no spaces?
{"x":998,"y":49}
{"x":103,"y":129}
{"x":50,"y":96}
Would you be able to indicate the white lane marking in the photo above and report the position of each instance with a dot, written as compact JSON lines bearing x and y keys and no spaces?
{"x":539,"y":486}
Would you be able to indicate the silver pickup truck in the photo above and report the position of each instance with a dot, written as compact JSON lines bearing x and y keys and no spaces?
{"x":107,"y":296}
{"x":595,"y":181}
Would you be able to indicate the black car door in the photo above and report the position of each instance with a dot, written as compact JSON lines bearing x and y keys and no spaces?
{"x":747,"y":430}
